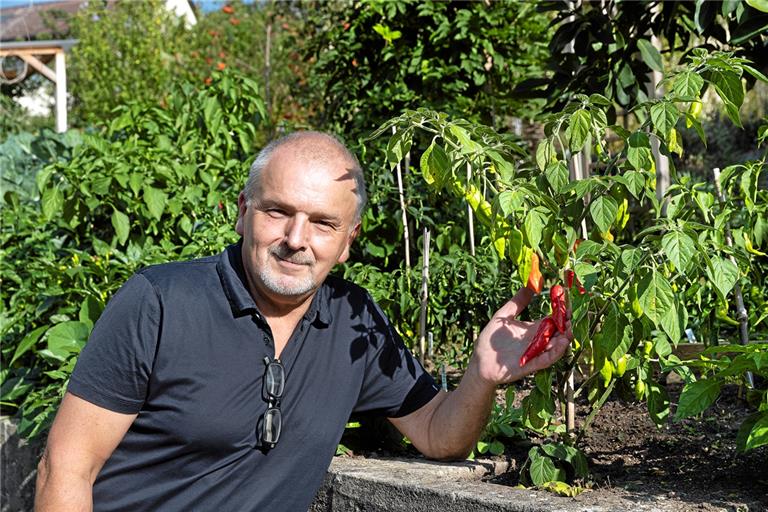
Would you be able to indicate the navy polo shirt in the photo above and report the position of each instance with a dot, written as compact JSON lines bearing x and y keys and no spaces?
{"x":183,"y":345}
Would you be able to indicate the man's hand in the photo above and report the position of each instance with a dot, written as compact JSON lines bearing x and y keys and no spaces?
{"x":504,"y":339}
{"x":449,"y":425}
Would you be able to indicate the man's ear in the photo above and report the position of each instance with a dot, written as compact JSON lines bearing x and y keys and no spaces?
{"x":242,"y":207}
{"x":353,"y":234}
{"x":351,"y":238}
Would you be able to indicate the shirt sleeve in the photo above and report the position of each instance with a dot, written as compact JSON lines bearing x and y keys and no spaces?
{"x":115,"y":365}
{"x":395,"y":383}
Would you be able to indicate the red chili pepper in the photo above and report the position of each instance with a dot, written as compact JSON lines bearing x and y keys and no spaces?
{"x":545,"y":331}
{"x":535,"y":280}
{"x":570,"y":277}
{"x":559,"y":315}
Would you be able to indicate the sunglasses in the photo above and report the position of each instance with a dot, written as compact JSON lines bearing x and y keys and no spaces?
{"x":271,"y":421}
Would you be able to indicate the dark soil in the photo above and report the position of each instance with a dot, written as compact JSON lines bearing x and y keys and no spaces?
{"x":692,"y":465}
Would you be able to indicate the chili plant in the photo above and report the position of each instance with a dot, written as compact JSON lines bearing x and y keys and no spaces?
{"x":641,"y":290}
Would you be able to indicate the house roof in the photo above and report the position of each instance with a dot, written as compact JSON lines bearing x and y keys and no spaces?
{"x":37,"y":21}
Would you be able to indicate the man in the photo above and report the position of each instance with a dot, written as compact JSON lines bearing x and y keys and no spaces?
{"x":225,"y":383}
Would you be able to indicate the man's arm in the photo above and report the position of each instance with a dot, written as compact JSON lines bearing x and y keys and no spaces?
{"x":450,"y":424}
{"x":82,"y":438}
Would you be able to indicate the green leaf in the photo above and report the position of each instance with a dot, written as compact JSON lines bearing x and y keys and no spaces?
{"x":51,"y":202}
{"x":655,"y":296}
{"x":90,"y":310}
{"x":557,"y":176}
{"x":67,"y":338}
{"x":751,"y":26}
{"x":658,"y":403}
{"x":664,"y":115}
{"x":121,"y":224}
{"x":439,"y":166}
{"x":155,"y":199}
{"x":650,"y":55}
{"x":578,"y":130}
{"x":635,"y":182}
{"x":723,"y":273}
{"x":687,"y":84}
{"x":542,"y":470}
{"x":497,"y":447}
{"x":426,"y":172}
{"x":603,"y":211}
{"x":630,"y":259}
{"x":670,"y":322}
{"x":534,"y":224}
{"x":27,"y":343}
{"x":760,"y":5}
{"x":511,"y":201}
{"x":679,"y":248}
{"x":730,"y":89}
{"x":599,"y":99}
{"x":639,"y":152}
{"x":753,"y":432}
{"x":468,"y":146}
{"x":696,"y":397}
{"x":545,"y":153}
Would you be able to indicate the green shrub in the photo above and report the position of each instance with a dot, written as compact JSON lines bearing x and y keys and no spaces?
{"x":158,"y":184}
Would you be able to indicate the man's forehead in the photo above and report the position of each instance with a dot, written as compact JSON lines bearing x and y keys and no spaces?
{"x":314,"y":151}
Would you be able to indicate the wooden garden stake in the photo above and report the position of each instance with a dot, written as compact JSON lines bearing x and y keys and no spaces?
{"x":470,"y":216}
{"x":268,"y":70}
{"x":406,"y":235}
{"x":740,"y":308}
{"x":424,"y":297}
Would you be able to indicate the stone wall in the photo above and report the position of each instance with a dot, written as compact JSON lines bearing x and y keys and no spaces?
{"x":18,"y":468}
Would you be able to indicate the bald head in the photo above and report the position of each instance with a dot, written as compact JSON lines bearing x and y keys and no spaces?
{"x":310,"y":146}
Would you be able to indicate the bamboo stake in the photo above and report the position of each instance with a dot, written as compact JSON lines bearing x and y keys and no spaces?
{"x":740,"y":307}
{"x":268,"y":70}
{"x":406,"y":235}
{"x":470,"y":216}
{"x":424,"y":297}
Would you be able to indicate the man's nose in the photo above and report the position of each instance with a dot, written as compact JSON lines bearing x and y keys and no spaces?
{"x":296,"y":233}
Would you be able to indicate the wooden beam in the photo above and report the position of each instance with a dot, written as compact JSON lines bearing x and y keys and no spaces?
{"x":4,"y":52}
{"x":39,"y":66}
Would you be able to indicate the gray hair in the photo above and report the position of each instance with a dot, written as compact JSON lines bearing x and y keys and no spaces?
{"x":329,"y":141}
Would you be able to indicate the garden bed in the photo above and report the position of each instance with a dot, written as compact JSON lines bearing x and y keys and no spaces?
{"x":691,"y":465}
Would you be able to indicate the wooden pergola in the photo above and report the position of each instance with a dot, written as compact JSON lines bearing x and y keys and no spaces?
{"x":36,"y":54}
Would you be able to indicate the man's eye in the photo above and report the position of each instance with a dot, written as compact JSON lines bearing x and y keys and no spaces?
{"x":325,"y":224}
{"x":275,"y":212}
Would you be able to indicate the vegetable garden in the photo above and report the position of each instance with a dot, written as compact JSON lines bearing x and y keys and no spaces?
{"x":465,"y":206}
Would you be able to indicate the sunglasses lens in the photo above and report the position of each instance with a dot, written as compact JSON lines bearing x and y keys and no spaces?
{"x":272,"y":423}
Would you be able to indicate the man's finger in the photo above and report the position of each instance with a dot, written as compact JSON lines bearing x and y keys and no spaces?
{"x":516,"y":304}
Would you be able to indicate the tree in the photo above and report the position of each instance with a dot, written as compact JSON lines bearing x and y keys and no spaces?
{"x":607,"y":47}
{"x":371,"y":60}
{"x":126,"y":51}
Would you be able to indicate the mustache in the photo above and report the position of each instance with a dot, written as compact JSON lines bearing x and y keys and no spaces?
{"x":284,"y":252}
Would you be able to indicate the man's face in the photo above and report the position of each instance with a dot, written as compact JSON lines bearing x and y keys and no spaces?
{"x":300,"y":223}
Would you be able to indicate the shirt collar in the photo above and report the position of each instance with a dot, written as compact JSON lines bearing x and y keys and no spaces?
{"x":234,"y":283}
